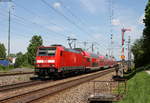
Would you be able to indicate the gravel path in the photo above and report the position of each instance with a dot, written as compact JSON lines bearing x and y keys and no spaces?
{"x":76,"y":94}
{"x":148,"y":72}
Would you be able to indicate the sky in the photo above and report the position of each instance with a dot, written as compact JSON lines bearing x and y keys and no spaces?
{"x":85,"y":20}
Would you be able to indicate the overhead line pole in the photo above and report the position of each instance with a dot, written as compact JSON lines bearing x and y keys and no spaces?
{"x":129,"y":54}
{"x":9,"y":19}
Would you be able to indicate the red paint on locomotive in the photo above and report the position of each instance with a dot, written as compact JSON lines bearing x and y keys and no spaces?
{"x":58,"y":59}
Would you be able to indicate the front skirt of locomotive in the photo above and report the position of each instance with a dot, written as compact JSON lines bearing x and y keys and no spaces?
{"x":45,"y":71}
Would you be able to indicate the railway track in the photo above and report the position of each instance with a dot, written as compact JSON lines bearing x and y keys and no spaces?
{"x":33,"y":95}
{"x":19,"y":85}
{"x":14,"y":73}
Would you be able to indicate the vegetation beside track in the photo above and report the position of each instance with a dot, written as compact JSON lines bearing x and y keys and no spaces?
{"x":131,"y":73}
{"x":6,"y":68}
{"x":138,"y":89}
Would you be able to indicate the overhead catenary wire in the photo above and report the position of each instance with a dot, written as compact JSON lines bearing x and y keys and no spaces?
{"x":67,"y":19}
{"x":35,"y":14}
{"x":22,"y":20}
{"x":80,"y":21}
{"x":73,"y":22}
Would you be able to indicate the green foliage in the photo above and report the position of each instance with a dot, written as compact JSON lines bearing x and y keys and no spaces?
{"x":6,"y":68}
{"x":12,"y":55}
{"x":138,"y":52}
{"x":2,"y":51}
{"x":35,"y":42}
{"x":141,"y":48}
{"x":22,"y":59}
{"x":146,"y":34}
{"x":19,"y":54}
{"x":138,"y":89}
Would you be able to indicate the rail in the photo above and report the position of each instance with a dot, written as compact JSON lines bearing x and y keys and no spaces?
{"x":14,"y":73}
{"x":42,"y":92}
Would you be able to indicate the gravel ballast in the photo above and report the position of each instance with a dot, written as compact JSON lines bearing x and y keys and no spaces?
{"x":6,"y":80}
{"x":78,"y":94}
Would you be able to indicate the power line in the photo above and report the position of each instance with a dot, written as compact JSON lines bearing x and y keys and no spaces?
{"x":22,"y":20}
{"x":73,"y":15}
{"x":41,"y":26}
{"x":33,"y":13}
{"x":34,"y":23}
{"x":65,"y":17}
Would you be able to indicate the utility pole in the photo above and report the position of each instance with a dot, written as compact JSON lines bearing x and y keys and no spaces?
{"x":111,"y":17}
{"x":129,"y":54}
{"x":92,"y":47}
{"x":112,"y":54}
{"x":9,"y":19}
{"x":70,"y":41}
{"x":75,"y":42}
{"x":85,"y":44}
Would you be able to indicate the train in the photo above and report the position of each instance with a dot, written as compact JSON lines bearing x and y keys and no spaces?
{"x":57,"y":60}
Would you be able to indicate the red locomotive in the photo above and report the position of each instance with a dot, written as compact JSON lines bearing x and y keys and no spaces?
{"x":57,"y":60}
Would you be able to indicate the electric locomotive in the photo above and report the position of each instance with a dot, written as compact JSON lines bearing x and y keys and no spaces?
{"x":56,"y":60}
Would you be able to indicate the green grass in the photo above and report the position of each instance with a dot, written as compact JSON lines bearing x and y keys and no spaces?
{"x":138,"y":89}
{"x":5,"y":69}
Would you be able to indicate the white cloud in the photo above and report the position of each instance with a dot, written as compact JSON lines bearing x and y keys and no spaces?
{"x":57,"y":5}
{"x":115,"y":22}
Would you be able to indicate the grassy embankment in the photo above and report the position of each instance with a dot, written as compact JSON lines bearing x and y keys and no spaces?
{"x":138,"y":89}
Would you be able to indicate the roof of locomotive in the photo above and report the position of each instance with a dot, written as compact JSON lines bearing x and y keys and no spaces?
{"x":54,"y":45}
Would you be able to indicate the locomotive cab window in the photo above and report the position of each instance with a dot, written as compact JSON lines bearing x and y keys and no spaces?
{"x":46,"y":51}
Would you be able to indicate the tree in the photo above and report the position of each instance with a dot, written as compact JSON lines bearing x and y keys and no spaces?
{"x":146,"y":34}
{"x":35,"y":42}
{"x":21,"y":60}
{"x":2,"y":51}
{"x":138,"y":52}
{"x":19,"y":54}
{"x":12,"y":55}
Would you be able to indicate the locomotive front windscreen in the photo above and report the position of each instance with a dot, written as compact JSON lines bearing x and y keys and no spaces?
{"x":46,"y":51}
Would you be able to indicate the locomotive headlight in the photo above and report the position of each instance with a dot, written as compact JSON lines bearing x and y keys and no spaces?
{"x":51,"y":61}
{"x":53,"y":65}
{"x":40,"y":61}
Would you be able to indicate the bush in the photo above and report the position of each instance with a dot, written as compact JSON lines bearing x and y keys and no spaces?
{"x":21,"y":60}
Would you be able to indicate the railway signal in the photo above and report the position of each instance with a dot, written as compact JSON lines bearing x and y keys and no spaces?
{"x":123,"y":31}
